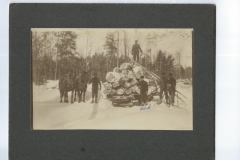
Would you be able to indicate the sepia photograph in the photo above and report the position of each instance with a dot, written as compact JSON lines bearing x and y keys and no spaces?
{"x":112,"y":78}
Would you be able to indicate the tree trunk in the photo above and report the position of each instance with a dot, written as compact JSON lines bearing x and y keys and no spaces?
{"x":56,"y":58}
{"x":125,"y":45}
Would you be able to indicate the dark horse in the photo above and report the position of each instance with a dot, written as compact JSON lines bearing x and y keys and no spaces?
{"x":81,"y":87}
{"x":67,"y":84}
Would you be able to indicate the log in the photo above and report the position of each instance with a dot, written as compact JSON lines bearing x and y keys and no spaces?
{"x":127,"y":85}
{"x":134,"y":82}
{"x":137,"y":69}
{"x":131,"y":75}
{"x":138,"y":72}
{"x":138,"y":75}
{"x":122,"y":82}
{"x":126,"y":66}
{"x":107,"y":85}
{"x":134,"y":88}
{"x":125,"y":78}
{"x":120,"y":91}
{"x":125,"y":71}
{"x":113,"y":77}
{"x":137,"y":90}
{"x":117,"y":70}
{"x":128,"y":91}
{"x":113,"y":92}
{"x":115,"y":84}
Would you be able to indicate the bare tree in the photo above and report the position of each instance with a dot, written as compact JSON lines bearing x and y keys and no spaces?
{"x":178,"y":57}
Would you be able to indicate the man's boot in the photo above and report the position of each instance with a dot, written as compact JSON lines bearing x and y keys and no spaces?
{"x":92,"y":101}
{"x":80,"y":99}
{"x":167,"y":101}
{"x":83,"y":99}
{"x":160,"y":101}
{"x":95,"y":100}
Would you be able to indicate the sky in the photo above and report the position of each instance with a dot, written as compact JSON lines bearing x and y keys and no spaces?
{"x":168,"y":40}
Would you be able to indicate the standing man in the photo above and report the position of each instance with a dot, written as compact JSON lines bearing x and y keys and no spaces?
{"x":95,"y":82}
{"x":163,"y":87}
{"x":135,"y":51}
{"x":143,"y":90}
{"x":171,"y":85}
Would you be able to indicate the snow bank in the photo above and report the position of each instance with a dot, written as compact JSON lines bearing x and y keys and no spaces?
{"x":53,"y":84}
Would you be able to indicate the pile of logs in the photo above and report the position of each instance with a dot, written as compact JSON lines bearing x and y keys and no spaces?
{"x":124,"y":80}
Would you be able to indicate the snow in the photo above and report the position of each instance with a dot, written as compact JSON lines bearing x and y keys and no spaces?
{"x":48,"y":113}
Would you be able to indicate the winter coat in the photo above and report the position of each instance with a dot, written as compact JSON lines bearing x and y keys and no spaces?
{"x":143,"y":86}
{"x":135,"y":49}
{"x":172,"y":83}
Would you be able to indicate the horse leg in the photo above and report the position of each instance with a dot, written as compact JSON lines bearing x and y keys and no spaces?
{"x":61,"y":95}
{"x":66,"y":97}
{"x":80,"y":96}
{"x":75,"y":96}
{"x":84,"y":96}
{"x":72,"y":96}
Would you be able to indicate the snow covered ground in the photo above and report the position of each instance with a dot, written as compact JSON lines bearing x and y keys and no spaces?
{"x":49,"y":114}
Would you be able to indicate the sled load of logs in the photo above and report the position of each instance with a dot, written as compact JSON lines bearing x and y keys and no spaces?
{"x":124,"y":80}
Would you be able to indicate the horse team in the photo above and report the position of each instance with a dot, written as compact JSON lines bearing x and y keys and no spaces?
{"x":73,"y":83}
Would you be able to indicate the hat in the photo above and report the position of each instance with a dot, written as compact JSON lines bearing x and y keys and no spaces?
{"x":170,"y":74}
{"x":136,"y":40}
{"x":142,"y":77}
{"x":163,"y":73}
{"x":95,"y":73}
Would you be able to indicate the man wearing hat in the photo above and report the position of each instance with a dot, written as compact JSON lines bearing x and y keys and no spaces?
{"x":171,"y":85}
{"x":95,"y":82}
{"x":143,"y":90}
{"x":163,"y":87}
{"x":135,"y":51}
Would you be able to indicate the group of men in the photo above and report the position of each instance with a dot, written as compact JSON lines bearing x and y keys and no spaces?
{"x":167,"y":86}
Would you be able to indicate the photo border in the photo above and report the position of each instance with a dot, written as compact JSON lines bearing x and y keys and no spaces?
{"x":108,"y":144}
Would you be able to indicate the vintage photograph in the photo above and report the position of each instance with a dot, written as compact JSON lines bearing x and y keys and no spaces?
{"x":112,"y":78}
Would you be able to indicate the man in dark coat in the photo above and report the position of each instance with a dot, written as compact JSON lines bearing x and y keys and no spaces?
{"x":135,"y":51}
{"x":163,"y":87}
{"x":171,"y":85}
{"x":143,"y":90}
{"x":95,"y":82}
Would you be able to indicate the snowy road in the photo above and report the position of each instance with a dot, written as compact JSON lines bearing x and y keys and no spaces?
{"x":48,"y":113}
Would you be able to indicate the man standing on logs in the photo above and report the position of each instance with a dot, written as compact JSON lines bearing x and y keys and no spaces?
{"x":163,"y":87}
{"x":95,"y":81}
{"x":171,"y":85}
{"x":135,"y":51}
{"x":143,"y":91}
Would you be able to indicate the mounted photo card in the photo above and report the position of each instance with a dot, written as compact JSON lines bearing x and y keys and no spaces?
{"x":112,"y":81}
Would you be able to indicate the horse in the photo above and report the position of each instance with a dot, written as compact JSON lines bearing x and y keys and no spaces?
{"x":81,"y":87}
{"x":67,"y":84}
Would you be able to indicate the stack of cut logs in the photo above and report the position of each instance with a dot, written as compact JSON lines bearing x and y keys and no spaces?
{"x":124,"y":80}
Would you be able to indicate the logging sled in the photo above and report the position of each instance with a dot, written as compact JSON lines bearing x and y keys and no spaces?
{"x":122,"y":84}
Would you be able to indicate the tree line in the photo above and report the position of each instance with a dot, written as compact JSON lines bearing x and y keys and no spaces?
{"x":54,"y":55}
